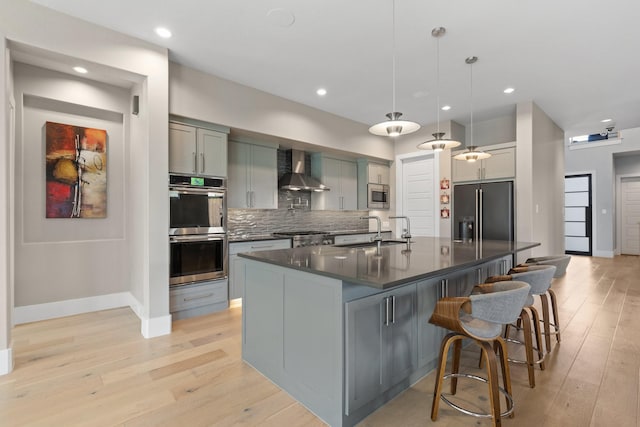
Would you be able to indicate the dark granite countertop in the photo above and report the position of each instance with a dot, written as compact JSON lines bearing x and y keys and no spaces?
{"x":394,"y":265}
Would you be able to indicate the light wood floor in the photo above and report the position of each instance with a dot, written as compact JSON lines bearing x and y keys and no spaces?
{"x":97,"y":370}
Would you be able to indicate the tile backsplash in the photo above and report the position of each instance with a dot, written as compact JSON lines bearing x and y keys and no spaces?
{"x":293,"y":213}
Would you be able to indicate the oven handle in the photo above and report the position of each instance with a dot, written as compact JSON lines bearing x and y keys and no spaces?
{"x":195,"y":238}
{"x":197,"y":190}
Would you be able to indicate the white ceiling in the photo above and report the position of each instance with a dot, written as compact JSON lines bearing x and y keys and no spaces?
{"x":576,"y":59}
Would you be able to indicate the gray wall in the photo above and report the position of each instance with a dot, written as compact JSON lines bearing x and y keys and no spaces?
{"x":61,"y":259}
{"x":599,"y":161}
{"x":494,"y":131}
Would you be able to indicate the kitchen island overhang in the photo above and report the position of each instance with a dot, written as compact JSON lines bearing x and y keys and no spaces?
{"x":344,"y":330}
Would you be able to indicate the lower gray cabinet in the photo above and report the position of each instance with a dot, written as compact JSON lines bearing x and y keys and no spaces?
{"x":380,"y":344}
{"x":429,"y":335}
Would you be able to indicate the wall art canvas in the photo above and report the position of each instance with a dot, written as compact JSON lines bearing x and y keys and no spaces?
{"x":76,"y":171}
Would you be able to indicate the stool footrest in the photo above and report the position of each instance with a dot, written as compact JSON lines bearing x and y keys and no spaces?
{"x":506,"y":413}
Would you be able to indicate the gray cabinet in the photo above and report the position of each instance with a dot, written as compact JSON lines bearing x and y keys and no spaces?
{"x":197,"y":151}
{"x":341,"y":176}
{"x":253,"y":176}
{"x":500,"y":165}
{"x":380,"y":344}
{"x":197,"y":299}
{"x":236,"y":269}
{"x":370,"y":173}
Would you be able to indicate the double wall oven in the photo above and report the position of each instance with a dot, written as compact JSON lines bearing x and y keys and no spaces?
{"x":198,"y":232}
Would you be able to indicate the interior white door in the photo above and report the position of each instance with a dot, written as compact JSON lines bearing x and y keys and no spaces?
{"x":418,"y":198}
{"x":630,"y":216}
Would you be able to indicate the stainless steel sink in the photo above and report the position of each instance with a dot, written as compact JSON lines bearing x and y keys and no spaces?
{"x":371,"y":244}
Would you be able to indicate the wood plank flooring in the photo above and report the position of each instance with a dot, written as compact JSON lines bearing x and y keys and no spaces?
{"x":97,"y":370}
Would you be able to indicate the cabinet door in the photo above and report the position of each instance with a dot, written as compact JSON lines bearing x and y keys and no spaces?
{"x":465,"y":171}
{"x":349,"y":185}
{"x":501,"y":164}
{"x":212,"y":153}
{"x":429,"y":336}
{"x":330,"y":200}
{"x":264,"y":177}
{"x":182,"y":149}
{"x":236,"y":277}
{"x":364,"y":347}
{"x":378,"y":174}
{"x":239,"y":182}
{"x":400,"y":337}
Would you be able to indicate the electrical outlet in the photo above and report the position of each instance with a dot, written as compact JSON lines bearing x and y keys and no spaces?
{"x":385,"y":224}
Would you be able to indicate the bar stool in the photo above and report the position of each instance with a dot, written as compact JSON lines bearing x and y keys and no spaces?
{"x":539,"y":278}
{"x":481,"y":317}
{"x":561,"y":262}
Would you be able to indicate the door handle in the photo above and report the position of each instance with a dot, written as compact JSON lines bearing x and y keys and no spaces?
{"x":393,"y":309}
{"x":386,"y":311}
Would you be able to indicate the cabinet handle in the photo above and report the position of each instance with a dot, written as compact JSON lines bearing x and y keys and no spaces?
{"x":246,"y":199}
{"x":386,"y":311}
{"x":393,"y":309}
{"x":202,"y":164}
{"x":185,"y":299}
{"x":262,"y":247}
{"x":253,"y":199}
{"x":195,"y":162}
{"x":442,"y":288}
{"x":479,"y":274}
{"x":379,"y":179}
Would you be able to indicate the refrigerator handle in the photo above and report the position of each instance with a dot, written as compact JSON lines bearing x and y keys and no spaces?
{"x":476,"y":226}
{"x":480,"y":214}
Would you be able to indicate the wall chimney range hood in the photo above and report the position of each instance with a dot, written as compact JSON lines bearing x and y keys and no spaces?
{"x":297,"y":179}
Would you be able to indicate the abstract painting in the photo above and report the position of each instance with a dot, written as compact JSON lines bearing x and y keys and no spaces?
{"x":76,"y":171}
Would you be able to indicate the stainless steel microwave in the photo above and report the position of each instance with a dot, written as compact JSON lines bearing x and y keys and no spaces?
{"x":377,"y":196}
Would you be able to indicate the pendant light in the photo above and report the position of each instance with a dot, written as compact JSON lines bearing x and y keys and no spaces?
{"x":473,"y":153}
{"x":394,"y":126}
{"x":439,"y":142}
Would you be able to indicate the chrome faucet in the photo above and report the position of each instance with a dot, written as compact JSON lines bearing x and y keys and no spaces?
{"x":406,"y":234}
{"x":378,"y":237}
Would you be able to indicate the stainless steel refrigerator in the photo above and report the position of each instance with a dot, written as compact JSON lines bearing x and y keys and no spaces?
{"x":483,"y":211}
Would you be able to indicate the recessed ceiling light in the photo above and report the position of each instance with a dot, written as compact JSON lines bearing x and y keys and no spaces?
{"x":163,"y":32}
{"x":321,"y":92}
{"x":605,"y":120}
{"x":509,"y":90}
{"x":446,"y":107}
{"x":80,"y":70}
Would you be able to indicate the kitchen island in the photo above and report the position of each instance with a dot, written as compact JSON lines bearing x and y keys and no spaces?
{"x":345,"y":329}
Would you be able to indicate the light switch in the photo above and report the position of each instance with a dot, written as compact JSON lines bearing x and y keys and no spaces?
{"x":604,"y":211}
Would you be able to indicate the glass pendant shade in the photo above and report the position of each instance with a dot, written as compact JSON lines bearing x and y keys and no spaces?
{"x":394,"y":126}
{"x":472,"y":154}
{"x":439,"y":143}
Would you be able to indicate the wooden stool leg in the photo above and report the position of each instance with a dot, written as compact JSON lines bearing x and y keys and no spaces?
{"x":536,"y":327}
{"x":554,"y":308}
{"x":492,"y":377}
{"x":546,"y":321}
{"x":500,"y":347}
{"x":528,"y":345}
{"x":442,"y":365}
{"x":455,"y":368}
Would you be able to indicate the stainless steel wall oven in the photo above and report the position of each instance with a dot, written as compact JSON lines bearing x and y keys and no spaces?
{"x":198,"y":232}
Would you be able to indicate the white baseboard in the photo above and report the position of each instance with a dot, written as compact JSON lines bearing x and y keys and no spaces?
{"x":603,"y":254}
{"x":156,"y":326}
{"x":52,"y":310}
{"x":6,"y":361}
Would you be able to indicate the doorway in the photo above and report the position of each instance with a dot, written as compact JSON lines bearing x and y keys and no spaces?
{"x":630,"y":216}
{"x":416,"y":198}
{"x":578,"y":227}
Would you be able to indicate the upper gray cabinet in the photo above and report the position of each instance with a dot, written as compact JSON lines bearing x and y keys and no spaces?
{"x":501,"y":164}
{"x":370,"y":173}
{"x":377,"y":173}
{"x":341,"y":176}
{"x":197,"y":151}
{"x":253,"y":176}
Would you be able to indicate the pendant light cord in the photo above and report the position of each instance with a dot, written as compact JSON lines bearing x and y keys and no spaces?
{"x":471,"y":101}
{"x":438,"y":83}
{"x":393,"y":48}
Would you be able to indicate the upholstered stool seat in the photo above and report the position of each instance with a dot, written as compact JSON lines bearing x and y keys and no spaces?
{"x":561,"y":262}
{"x":481,"y":317}
{"x":539,"y":278}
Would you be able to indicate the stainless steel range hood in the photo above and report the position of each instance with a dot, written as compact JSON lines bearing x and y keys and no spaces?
{"x":297,"y":179}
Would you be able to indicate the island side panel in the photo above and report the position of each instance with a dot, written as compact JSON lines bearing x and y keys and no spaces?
{"x":292,"y":333}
